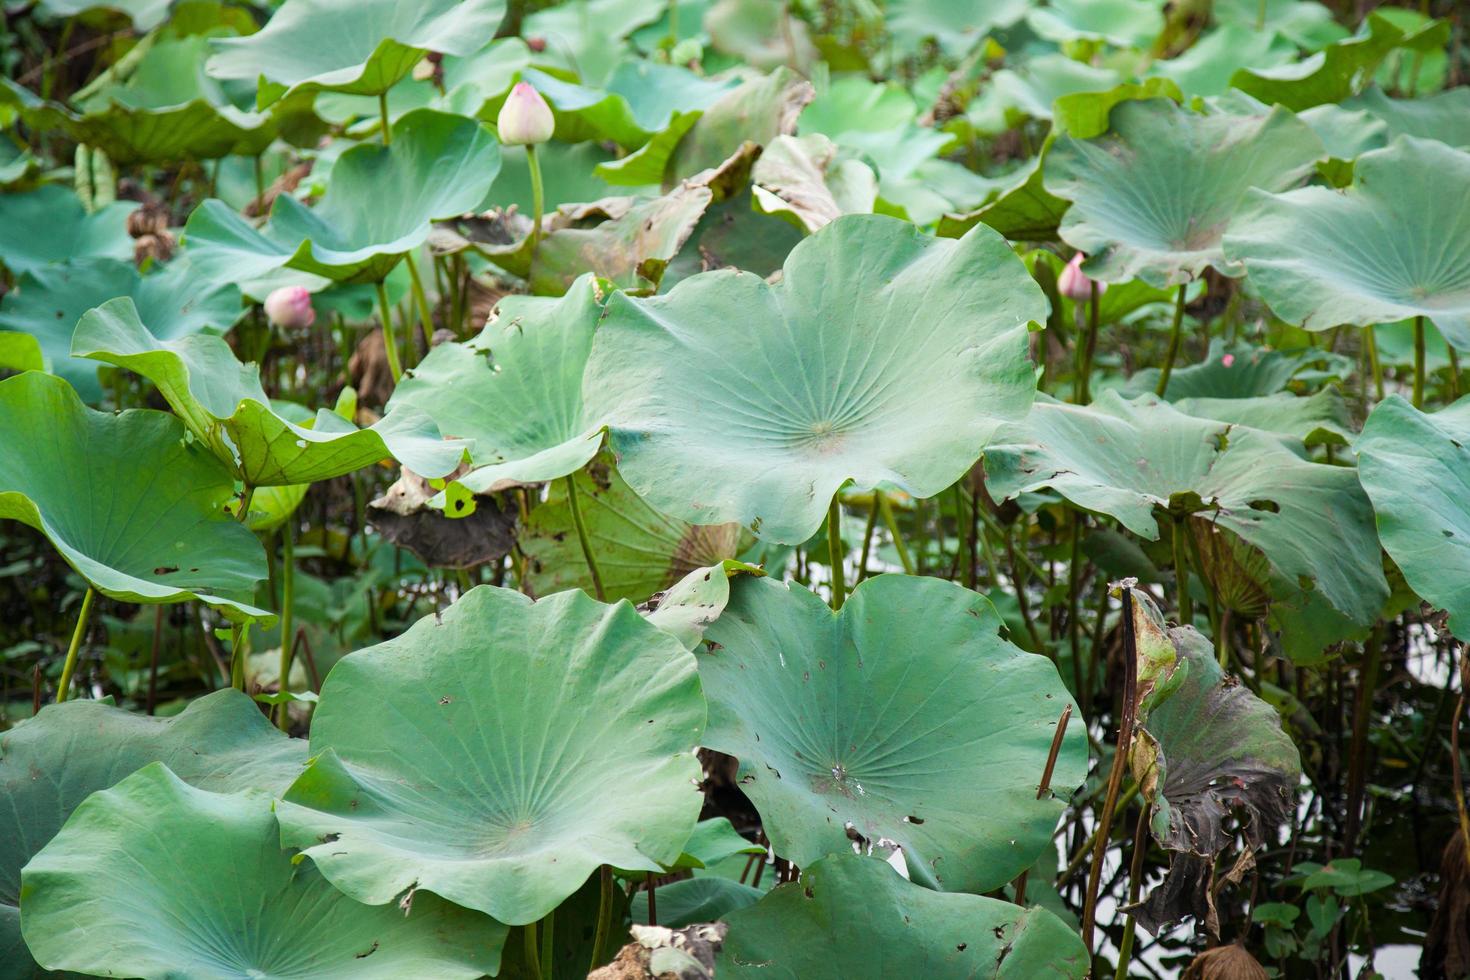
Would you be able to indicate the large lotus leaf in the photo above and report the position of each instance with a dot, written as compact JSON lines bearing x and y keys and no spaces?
{"x":1444,"y":116}
{"x":628,"y":241}
{"x":1151,"y":199}
{"x":639,"y":551}
{"x":156,"y":878}
{"x":808,"y":182}
{"x":1233,"y":371}
{"x":857,"y":729}
{"x":467,"y":757}
{"x":514,"y":392}
{"x":378,"y":205}
{"x":883,"y":356}
{"x":137,"y":511}
{"x":223,"y":404}
{"x":755,"y":112}
{"x":852,"y":103}
{"x":854,"y":918}
{"x":49,"y":225}
{"x":1206,"y":748}
{"x":1335,"y":73}
{"x":51,"y":763}
{"x":356,"y":46}
{"x":1133,"y":460}
{"x":1318,"y":419}
{"x":1124,"y":23}
{"x":1416,"y":469}
{"x":1384,"y":249}
{"x":176,"y":302}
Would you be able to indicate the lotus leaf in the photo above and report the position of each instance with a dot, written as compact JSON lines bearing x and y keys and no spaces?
{"x":53,"y":762}
{"x":1380,"y":251}
{"x":224,"y":406}
{"x":882,"y":356}
{"x":132,"y":886}
{"x":1152,"y":198}
{"x":1122,"y":23}
{"x":1137,"y":460}
{"x":957,"y":25}
{"x":356,"y":46}
{"x":438,"y":166}
{"x":49,"y":225}
{"x":148,"y":522}
{"x":694,"y":900}
{"x":854,"y":729}
{"x":852,"y":917}
{"x":509,"y":818}
{"x":805,"y":181}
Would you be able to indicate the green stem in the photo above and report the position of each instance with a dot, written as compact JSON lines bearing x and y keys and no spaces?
{"x":237,"y":658}
{"x":1454,"y":371}
{"x":886,"y":510}
{"x":383,"y":115}
{"x":390,"y":342}
{"x":72,"y":651}
{"x":604,"y":917}
{"x":834,"y":553}
{"x":1418,"y":362}
{"x":548,"y":960}
{"x":246,"y":496}
{"x":1135,"y":874}
{"x":1181,"y":576}
{"x":288,"y":632}
{"x":426,"y":315}
{"x":862,"y":571}
{"x":1174,"y":338}
{"x":537,"y":199}
{"x":576,"y":508}
{"x":1084,"y":371}
{"x":259,"y":184}
{"x":533,"y":959}
{"x":1261,"y":16}
{"x":1372,"y":342}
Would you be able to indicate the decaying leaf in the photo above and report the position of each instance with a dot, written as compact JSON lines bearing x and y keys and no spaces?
{"x":667,"y":954}
{"x":403,"y":516}
{"x":1206,"y":748}
{"x":1233,"y":962}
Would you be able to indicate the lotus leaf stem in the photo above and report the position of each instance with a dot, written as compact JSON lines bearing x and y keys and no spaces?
{"x":80,"y":631}
{"x":834,"y":553}
{"x":288,"y":633}
{"x":862,"y":571}
{"x":1135,"y":880}
{"x":1174,"y":339}
{"x":604,"y":915}
{"x":237,"y":657}
{"x":1371,"y":342}
{"x":533,"y":958}
{"x":653,"y":901}
{"x":1419,"y":362}
{"x":1089,"y":346}
{"x":383,"y":115}
{"x":576,"y":509}
{"x":886,"y":510}
{"x":1181,"y":575}
{"x":1454,"y":356}
{"x":390,"y":342}
{"x":421,"y":298}
{"x":548,"y":959}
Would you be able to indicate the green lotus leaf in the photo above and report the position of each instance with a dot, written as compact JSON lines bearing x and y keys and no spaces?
{"x":586,"y":38}
{"x":1337,"y":72}
{"x":639,"y":550}
{"x":1207,"y":748}
{"x":176,"y":302}
{"x":1374,"y":253}
{"x":755,"y":112}
{"x":1142,"y":461}
{"x":1414,"y":466}
{"x":1444,"y":116}
{"x":1123,"y":23}
{"x":134,"y":885}
{"x":902,"y":738}
{"x":807,"y":182}
{"x":1211,"y":62}
{"x":713,"y":841}
{"x":18,"y":166}
{"x":1152,"y":198}
{"x":20,"y":352}
{"x":357,"y":46}
{"x":52,"y":762}
{"x":568,"y":174}
{"x":850,"y":916}
{"x":628,"y":241}
{"x":507,"y":818}
{"x":514,"y":392}
{"x":688,"y":606}
{"x":144,"y":14}
{"x":1028,"y":90}
{"x":957,"y":25}
{"x":134,"y":509}
{"x":49,"y":225}
{"x":223,"y":405}
{"x":732,"y":234}
{"x":695,"y":900}
{"x":1304,"y":23}
{"x":1022,"y":210}
{"x":1237,"y":371}
{"x":378,"y":206}
{"x":1315,"y":420}
{"x":883,"y":356}
{"x":913,"y":181}
{"x":761,"y":33}
{"x":854,"y":104}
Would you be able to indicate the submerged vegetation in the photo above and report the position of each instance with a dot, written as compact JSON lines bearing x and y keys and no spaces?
{"x":733,"y":488}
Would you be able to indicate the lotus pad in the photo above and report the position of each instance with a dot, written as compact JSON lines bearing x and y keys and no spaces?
{"x":136,"y":510}
{"x":1382,"y":250}
{"x":858,"y":729}
{"x":1152,"y":197}
{"x":156,"y":878}
{"x":49,"y":225}
{"x":883,"y":356}
{"x":468,"y":756}
{"x":222,"y":403}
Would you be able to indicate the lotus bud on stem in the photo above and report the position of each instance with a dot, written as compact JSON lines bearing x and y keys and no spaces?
{"x":526,"y":120}
{"x":290,"y":308}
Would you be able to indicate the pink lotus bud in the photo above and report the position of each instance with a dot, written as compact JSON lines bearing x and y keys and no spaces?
{"x":290,"y":307}
{"x":1073,"y":282}
{"x":525,"y":119}
{"x":1228,"y":360}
